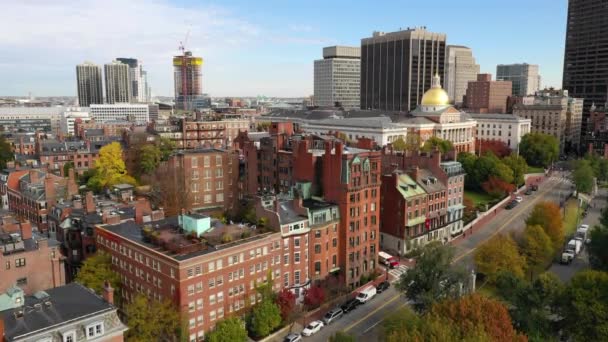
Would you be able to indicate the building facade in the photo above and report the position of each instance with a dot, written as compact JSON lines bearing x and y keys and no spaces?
{"x":118,"y":84}
{"x":69,"y":117}
{"x":89,"y":84}
{"x":136,"y":79}
{"x":337,"y":77}
{"x":31,"y":119}
{"x":525,"y":79}
{"x":398,"y":67}
{"x":507,"y":128}
{"x":188,"y":78}
{"x":487,"y":96}
{"x":136,"y":113}
{"x":585,"y":55}
{"x":460,"y":68}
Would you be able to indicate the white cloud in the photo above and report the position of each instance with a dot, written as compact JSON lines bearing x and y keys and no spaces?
{"x":59,"y":34}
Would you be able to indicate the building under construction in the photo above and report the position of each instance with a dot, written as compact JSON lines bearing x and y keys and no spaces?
{"x":188,"y":82}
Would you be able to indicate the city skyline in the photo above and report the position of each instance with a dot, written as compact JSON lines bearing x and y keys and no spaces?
{"x":248,"y":53}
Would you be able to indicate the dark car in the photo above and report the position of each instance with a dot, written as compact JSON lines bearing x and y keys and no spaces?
{"x":511,"y":205}
{"x":528,"y":192}
{"x":383,"y":286}
{"x":350,"y":305}
{"x":534,"y":187}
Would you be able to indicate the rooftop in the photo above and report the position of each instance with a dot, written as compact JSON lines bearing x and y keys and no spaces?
{"x":493,"y":116}
{"x":51,"y":309}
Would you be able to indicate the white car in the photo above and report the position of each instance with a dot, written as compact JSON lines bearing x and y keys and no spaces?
{"x":312,"y":328}
{"x":518,"y":199}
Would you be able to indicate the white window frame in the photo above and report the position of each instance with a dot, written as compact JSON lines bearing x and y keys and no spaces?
{"x":95,"y":334}
{"x":71,"y":333}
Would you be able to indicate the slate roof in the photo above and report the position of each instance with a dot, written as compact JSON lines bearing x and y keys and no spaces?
{"x":67,"y":303}
{"x":430,"y":187}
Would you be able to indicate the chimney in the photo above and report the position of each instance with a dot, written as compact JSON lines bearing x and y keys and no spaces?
{"x":34,"y":176}
{"x":142,"y":207}
{"x":414,"y":173}
{"x":339,"y":148}
{"x":50,"y":191}
{"x":72,"y":185}
{"x":89,"y":203}
{"x":26,"y":230}
{"x":108,"y":292}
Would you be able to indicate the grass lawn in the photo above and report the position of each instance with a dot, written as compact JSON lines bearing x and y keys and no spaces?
{"x":478,"y":197}
{"x":534,"y":169}
{"x":571,"y":215}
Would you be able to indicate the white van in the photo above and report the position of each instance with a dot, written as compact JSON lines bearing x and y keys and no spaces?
{"x":366,"y":294}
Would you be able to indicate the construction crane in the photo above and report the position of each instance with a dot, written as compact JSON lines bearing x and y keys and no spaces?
{"x":182,"y":45}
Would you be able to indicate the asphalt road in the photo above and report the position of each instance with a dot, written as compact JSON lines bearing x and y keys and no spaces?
{"x":365,"y":322}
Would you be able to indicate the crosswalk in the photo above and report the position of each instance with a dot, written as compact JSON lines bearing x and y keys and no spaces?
{"x":560,"y":179}
{"x":397,"y":271}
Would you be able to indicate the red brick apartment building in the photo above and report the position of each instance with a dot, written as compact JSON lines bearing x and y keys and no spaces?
{"x":28,"y":260}
{"x":207,"y":279}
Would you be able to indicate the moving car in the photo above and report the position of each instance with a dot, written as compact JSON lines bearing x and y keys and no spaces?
{"x":350,"y":305}
{"x":293,"y":337}
{"x":518,"y":199}
{"x":366,"y":294}
{"x":511,"y":205}
{"x":387,"y":260}
{"x":332,"y":315}
{"x":312,"y":328}
{"x":383,"y":286}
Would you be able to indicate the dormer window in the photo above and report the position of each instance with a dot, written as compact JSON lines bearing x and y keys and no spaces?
{"x":94,"y":330}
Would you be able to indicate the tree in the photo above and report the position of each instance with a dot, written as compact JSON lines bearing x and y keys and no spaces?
{"x":444,"y":146}
{"x":583,"y":176}
{"x":286,"y":301}
{"x":265,"y":318}
{"x":537,"y":247}
{"x":497,"y":188}
{"x":228,"y":330}
{"x":314,"y":296}
{"x":166,"y":147}
{"x":469,"y":209}
{"x":110,"y":168}
{"x":66,"y":168}
{"x":468,"y":160}
{"x":399,"y":144}
{"x":497,"y":255}
{"x":149,"y":158}
{"x":433,"y":278}
{"x":598,"y":253}
{"x":6,"y":152}
{"x":539,"y":149}
{"x":341,"y":336}
{"x":497,"y":147}
{"x":548,"y":216}
{"x":95,"y":271}
{"x":171,"y":188}
{"x":585,"y":306}
{"x":150,"y":320}
{"x":478,"y":313}
{"x":518,"y":165}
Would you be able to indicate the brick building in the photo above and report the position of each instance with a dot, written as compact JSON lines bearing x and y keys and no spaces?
{"x":93,"y":130}
{"x":28,"y":260}
{"x":54,"y":154}
{"x":207,"y":269}
{"x":487,"y":96}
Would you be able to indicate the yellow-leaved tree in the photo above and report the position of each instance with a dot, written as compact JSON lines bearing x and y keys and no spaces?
{"x":110,"y":169}
{"x":497,"y":255}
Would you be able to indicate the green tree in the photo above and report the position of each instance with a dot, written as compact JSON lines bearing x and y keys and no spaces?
{"x":539,"y":149}
{"x":150,"y":157}
{"x":6,"y":152}
{"x":444,"y":146}
{"x":503,"y":172}
{"x":341,"y":336}
{"x":166,"y":147}
{"x":537,"y":247}
{"x":399,"y":144}
{"x":150,"y":320}
{"x":548,"y":216}
{"x":598,"y":253}
{"x":95,"y":271}
{"x":110,"y":168}
{"x":468,"y":160}
{"x":66,"y":168}
{"x":518,"y":165}
{"x":228,"y":330}
{"x":433,"y":278}
{"x":585,"y":306}
{"x":498,"y":255}
{"x":583,"y":176}
{"x":265,"y":318}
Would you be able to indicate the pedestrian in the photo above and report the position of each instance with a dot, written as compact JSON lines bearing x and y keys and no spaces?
{"x":494,"y":212}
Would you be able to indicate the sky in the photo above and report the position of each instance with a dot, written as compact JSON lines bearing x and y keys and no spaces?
{"x":259,"y":47}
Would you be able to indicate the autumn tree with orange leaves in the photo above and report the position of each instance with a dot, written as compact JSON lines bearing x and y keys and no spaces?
{"x":548,"y":216}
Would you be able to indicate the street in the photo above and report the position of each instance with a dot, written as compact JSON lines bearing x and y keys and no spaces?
{"x":365,"y":322}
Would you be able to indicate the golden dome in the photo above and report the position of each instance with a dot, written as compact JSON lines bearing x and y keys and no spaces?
{"x":435,"y":96}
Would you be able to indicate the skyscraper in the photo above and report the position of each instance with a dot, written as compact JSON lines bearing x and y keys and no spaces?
{"x":118,"y":87}
{"x":586,"y":55}
{"x":337,"y":77}
{"x":460,"y":68}
{"x":524,"y":77}
{"x":398,"y":67}
{"x":188,"y":81}
{"x":88,"y":79}
{"x":137,"y":79}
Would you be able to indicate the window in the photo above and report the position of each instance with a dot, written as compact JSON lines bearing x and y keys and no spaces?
{"x":8,"y":265}
{"x":334,"y":242}
{"x":219,"y":185}
{"x":212,"y":299}
{"x":219,"y":173}
{"x":296,"y":257}
{"x":296,"y":276}
{"x":286,"y":259}
{"x":219,"y":197}
{"x":318,"y":248}
{"x":296,"y":242}
{"x":286,"y":279}
{"x":21,"y":281}
{"x":20,"y":262}
{"x":211,"y":283}
{"x":194,"y":161}
{"x":69,"y":336}
{"x":206,"y":161}
{"x":191,"y":307}
{"x":94,"y":330}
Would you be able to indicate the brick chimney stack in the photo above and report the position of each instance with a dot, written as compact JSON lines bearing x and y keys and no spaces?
{"x":142,"y":207}
{"x":108,"y":292}
{"x":414,"y":173}
{"x":89,"y":203}
{"x":50,"y":191}
{"x":26,"y":230}
{"x":72,"y":185}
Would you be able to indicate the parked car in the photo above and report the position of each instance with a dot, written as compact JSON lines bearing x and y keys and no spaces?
{"x":518,"y":199}
{"x":312,"y":328}
{"x":350,"y":305}
{"x":511,"y":205}
{"x":528,"y":192}
{"x":534,"y":187}
{"x":332,"y":315}
{"x":293,"y":337}
{"x":366,"y":294}
{"x":382,"y":286}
